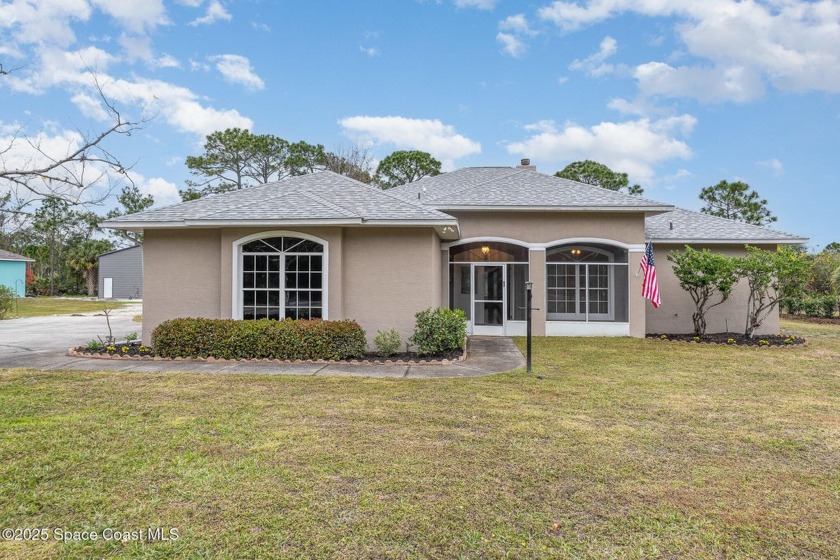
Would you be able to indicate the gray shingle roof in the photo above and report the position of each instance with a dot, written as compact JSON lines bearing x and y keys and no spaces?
{"x":507,"y":187}
{"x":9,"y":256}
{"x":682,"y":226}
{"x":323,"y":196}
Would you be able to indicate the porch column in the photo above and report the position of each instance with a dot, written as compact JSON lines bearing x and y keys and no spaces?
{"x":444,"y":277}
{"x":636,"y":302}
{"x":536,"y":271}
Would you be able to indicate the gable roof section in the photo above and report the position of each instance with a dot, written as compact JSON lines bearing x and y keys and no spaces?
{"x":9,"y":256}
{"x":507,"y":188}
{"x":322,"y":198}
{"x":686,"y":226}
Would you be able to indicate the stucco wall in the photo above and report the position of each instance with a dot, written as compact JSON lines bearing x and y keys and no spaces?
{"x":181,"y":273}
{"x":544,"y":227}
{"x":378,"y":276}
{"x":389,"y":275}
{"x":674,"y":315}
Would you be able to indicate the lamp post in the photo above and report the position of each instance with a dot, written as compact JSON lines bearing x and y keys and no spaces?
{"x":528,"y":286}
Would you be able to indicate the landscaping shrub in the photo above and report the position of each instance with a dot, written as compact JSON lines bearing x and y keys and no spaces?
{"x":812,"y":306}
{"x":792,"y":305}
{"x":387,"y":343}
{"x":7,"y":300}
{"x":828,"y":305}
{"x":277,"y":340}
{"x":438,"y":331}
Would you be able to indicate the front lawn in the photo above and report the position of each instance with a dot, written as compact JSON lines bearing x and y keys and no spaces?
{"x":613,"y":448}
{"x":43,"y":305}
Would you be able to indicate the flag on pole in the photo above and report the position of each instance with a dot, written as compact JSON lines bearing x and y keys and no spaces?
{"x":650,"y":285}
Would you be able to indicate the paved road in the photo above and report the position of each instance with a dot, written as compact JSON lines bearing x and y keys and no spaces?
{"x":33,"y":341}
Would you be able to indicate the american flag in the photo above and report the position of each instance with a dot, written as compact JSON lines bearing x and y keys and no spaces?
{"x":650,"y":285}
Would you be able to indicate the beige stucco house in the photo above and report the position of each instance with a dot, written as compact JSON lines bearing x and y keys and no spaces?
{"x":325,"y":246}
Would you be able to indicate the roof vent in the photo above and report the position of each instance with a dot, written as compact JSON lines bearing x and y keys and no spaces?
{"x":525,"y":163}
{"x":671,"y":225}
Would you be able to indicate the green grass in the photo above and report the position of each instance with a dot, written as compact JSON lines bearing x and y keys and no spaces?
{"x":612,"y":448}
{"x":41,"y":306}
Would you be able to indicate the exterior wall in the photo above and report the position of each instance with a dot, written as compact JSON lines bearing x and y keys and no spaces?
{"x":389,"y":275}
{"x":182,"y":270}
{"x":126,"y":269}
{"x":13,"y":276}
{"x":379,"y":277}
{"x":674,"y":315}
{"x":545,"y":227}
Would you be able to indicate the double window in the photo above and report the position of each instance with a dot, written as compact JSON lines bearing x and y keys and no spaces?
{"x":282,"y":277}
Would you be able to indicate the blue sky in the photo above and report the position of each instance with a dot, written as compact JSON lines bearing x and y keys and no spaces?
{"x":679,"y":94}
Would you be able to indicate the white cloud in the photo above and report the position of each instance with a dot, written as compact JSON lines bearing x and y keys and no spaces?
{"x":134,"y":15}
{"x":773,"y":164}
{"x":516,"y":24}
{"x":91,"y":107}
{"x":511,"y":44}
{"x":428,"y":135}
{"x":595,"y":64}
{"x":634,"y":147}
{"x":369,"y":51}
{"x":738,"y":84}
{"x":237,"y":69}
{"x":164,"y":192}
{"x":43,"y":22}
{"x":477,"y":4}
{"x":165,"y":61}
{"x":792,"y":44}
{"x":137,"y":47}
{"x":215,"y":12}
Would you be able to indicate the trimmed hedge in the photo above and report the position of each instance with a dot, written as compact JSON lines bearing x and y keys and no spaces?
{"x":276,"y":340}
{"x":439,"y":331}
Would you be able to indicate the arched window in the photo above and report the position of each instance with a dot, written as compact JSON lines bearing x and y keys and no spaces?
{"x":586,"y":283}
{"x":282,"y":277}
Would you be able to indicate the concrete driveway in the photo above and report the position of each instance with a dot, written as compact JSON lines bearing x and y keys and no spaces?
{"x":37,"y":341}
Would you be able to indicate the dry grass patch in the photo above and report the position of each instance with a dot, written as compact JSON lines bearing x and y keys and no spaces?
{"x":614,"y":447}
{"x":42,"y":306}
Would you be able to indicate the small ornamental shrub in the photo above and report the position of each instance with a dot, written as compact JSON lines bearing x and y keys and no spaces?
{"x":663,"y":336}
{"x":94,"y":345}
{"x":792,"y":305}
{"x":7,"y":300}
{"x":438,"y":331}
{"x":763,"y":343}
{"x":263,"y":339}
{"x":387,"y":342}
{"x":131,"y":337}
{"x":829,"y":305}
{"x":111,"y":349}
{"x":812,"y":306}
{"x":696,"y":339}
{"x":730,"y":341}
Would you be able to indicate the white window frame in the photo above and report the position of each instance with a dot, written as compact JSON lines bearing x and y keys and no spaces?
{"x":236,"y":283}
{"x":585,"y":316}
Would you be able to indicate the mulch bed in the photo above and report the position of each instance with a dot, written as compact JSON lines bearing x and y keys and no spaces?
{"x":732,"y":339}
{"x":817,"y":320}
{"x":135,"y":350}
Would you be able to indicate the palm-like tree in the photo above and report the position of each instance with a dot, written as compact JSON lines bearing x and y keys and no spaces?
{"x":84,"y":258}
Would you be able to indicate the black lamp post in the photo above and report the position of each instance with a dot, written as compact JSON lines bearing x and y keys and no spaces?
{"x":528,"y":287}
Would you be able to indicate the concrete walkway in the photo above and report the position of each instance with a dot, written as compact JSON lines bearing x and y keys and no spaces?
{"x":485,"y":355}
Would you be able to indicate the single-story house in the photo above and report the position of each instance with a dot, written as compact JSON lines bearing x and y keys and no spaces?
{"x":13,"y":272}
{"x":323,"y":245}
{"x":121,"y":273}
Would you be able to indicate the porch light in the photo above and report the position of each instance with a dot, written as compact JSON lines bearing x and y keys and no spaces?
{"x":575,"y":251}
{"x":485,"y":251}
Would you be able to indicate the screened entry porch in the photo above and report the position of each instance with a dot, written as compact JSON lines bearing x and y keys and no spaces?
{"x":583,"y":289}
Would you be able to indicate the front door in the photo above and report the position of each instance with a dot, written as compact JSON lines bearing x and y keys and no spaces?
{"x":488,"y":299}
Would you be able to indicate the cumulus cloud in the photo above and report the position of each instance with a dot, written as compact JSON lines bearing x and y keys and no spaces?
{"x":428,"y":135}
{"x":634,"y":146}
{"x":595,"y":64}
{"x":43,"y":22}
{"x":477,"y":4}
{"x":793,"y":45}
{"x":511,"y":44}
{"x":237,"y":69}
{"x":215,"y":12}
{"x":164,"y":192}
{"x":516,"y":24}
{"x":134,"y":15}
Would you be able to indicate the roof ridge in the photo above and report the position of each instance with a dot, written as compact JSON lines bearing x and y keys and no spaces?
{"x":730,"y":220}
{"x":514,"y":171}
{"x":325,"y":202}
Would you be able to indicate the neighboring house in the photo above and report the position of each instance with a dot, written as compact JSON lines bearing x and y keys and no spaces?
{"x":13,"y":272}
{"x":323,"y":245}
{"x":121,"y":273}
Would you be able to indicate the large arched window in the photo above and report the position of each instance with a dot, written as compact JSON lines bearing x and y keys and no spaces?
{"x":282,"y":277}
{"x":586,"y":283}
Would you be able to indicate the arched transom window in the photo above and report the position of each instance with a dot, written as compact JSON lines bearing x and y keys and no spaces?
{"x":282,"y":277}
